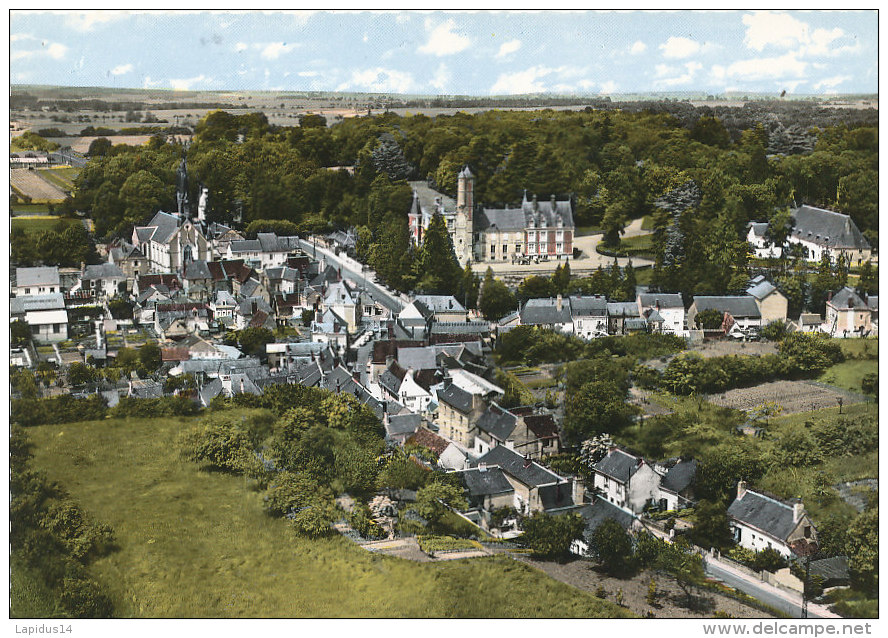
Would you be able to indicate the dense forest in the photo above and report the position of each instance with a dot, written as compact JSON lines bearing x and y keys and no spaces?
{"x":701,"y":173}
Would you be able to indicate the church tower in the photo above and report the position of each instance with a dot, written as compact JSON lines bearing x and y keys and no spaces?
{"x":465,"y":205}
{"x":184,"y":206}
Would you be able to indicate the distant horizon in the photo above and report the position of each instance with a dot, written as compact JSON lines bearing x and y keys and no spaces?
{"x":596,"y":96}
{"x":816,"y":53}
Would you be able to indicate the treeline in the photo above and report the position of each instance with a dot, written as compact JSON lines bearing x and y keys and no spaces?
{"x":65,"y":408}
{"x":64,"y":245}
{"x":93,"y":131}
{"x":52,"y":542}
{"x":801,"y":355}
{"x":303,"y":446}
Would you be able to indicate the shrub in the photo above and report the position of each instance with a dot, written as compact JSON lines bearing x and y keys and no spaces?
{"x":362,"y":522}
{"x":159,"y":406}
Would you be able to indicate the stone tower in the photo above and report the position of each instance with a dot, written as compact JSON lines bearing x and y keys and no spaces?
{"x":463,"y":223}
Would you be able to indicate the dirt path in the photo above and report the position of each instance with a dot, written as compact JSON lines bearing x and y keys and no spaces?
{"x":670,"y":599}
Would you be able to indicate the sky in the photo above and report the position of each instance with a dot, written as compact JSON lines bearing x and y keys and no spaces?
{"x":458,"y":53}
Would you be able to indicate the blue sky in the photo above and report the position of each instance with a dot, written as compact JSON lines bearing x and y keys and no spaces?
{"x":813,"y":52}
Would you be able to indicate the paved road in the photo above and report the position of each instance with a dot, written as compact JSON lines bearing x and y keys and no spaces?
{"x":365,"y":279}
{"x":768,"y":594}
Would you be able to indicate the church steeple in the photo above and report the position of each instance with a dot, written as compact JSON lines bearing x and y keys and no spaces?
{"x":182,"y":203}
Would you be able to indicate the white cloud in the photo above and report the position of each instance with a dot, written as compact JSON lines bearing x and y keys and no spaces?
{"x":56,"y":51}
{"x":686,"y":77}
{"x":678,"y":47}
{"x":366,"y":38}
{"x":86,"y":21}
{"x":274,"y":50}
{"x":783,"y":31}
{"x":402,"y":18}
{"x":831,"y":83}
{"x":526,"y":81}
{"x":185,"y":84}
{"x":19,"y":37}
{"x":120,"y":69}
{"x":148,"y":82}
{"x":508,"y":47}
{"x":442,"y":78}
{"x":765,"y":28}
{"x":241,"y":46}
{"x":638,"y":47}
{"x":308,"y":74}
{"x":608,"y":87}
{"x":786,"y":66}
{"x":443,"y":41}
{"x":379,"y":80}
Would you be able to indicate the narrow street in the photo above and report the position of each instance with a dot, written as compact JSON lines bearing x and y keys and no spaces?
{"x":777,"y":598}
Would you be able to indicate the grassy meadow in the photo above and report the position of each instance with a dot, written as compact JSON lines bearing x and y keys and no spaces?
{"x":198,"y":544}
{"x":34,"y":225}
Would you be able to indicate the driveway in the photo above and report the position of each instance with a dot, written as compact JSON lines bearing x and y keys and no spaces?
{"x":590,"y":259}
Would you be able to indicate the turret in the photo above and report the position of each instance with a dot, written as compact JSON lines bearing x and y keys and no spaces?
{"x":465,"y":192}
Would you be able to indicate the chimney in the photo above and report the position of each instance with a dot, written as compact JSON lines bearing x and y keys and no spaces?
{"x":658,"y":304}
{"x":741,"y":489}
{"x":527,"y":461}
{"x":638,"y":462}
{"x":798,"y":508}
{"x":850,"y":302}
{"x":482,"y":467}
{"x":829,"y":296}
{"x":242,"y":385}
{"x":338,"y":386}
{"x":558,"y":303}
{"x":579,"y":491}
{"x":389,"y":360}
{"x":552,"y":202}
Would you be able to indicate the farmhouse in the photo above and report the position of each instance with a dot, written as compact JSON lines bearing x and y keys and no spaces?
{"x":771,"y":303}
{"x":670,"y":307}
{"x":45,"y":314}
{"x":738,"y":310}
{"x":626,"y":480}
{"x":848,"y":315}
{"x":37,"y":281}
{"x":759,"y":521}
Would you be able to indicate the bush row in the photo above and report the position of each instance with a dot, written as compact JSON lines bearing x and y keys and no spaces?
{"x":68,"y":409}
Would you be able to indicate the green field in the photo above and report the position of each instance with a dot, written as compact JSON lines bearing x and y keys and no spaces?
{"x":198,"y":544}
{"x":35,"y":225}
{"x":638,"y":246}
{"x":861,"y":359}
{"x":63,"y":176}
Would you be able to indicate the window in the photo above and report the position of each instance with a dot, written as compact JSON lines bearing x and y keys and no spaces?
{"x":492,"y":248}
{"x":27,"y":291}
{"x":56,"y":328}
{"x":807,"y":531}
{"x":506,"y":249}
{"x":517,"y":248}
{"x":35,"y":330}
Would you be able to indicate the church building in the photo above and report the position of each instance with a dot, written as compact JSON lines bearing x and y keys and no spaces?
{"x":170,"y":241}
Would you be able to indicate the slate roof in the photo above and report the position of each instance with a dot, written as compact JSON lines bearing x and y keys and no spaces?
{"x":761,"y":289}
{"x":811,"y":319}
{"x":497,"y":422}
{"x":618,"y":465}
{"x":836,"y":568}
{"x":600,"y":510}
{"x":392,"y":377}
{"x":622,"y":309}
{"x":418,"y":358}
{"x":531,"y":214}
{"x":486,"y":482}
{"x":161,"y":227}
{"x":848,"y":298}
{"x":542,"y":425}
{"x":588,"y":306}
{"x":460,"y":328}
{"x":403,"y":424}
{"x":873,"y":302}
{"x":245,"y":246}
{"x":426,"y":198}
{"x":533,"y":475}
{"x":666,"y":300}
{"x":441,"y":303}
{"x":33,"y":303}
{"x":198,"y":270}
{"x":759,"y":228}
{"x":736,"y":306}
{"x":556,"y":496}
{"x":41,"y":276}
{"x":210,"y":391}
{"x":827,"y":228}
{"x":545,"y":311}
{"x":680,"y":476}
{"x":106,"y":270}
{"x":456,"y":397}
{"x":765,"y":513}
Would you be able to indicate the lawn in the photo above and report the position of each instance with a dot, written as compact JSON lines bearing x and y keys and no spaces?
{"x":638,"y":246}
{"x":861,"y":358}
{"x":35,"y":224}
{"x":198,"y":544}
{"x":63,"y":177}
